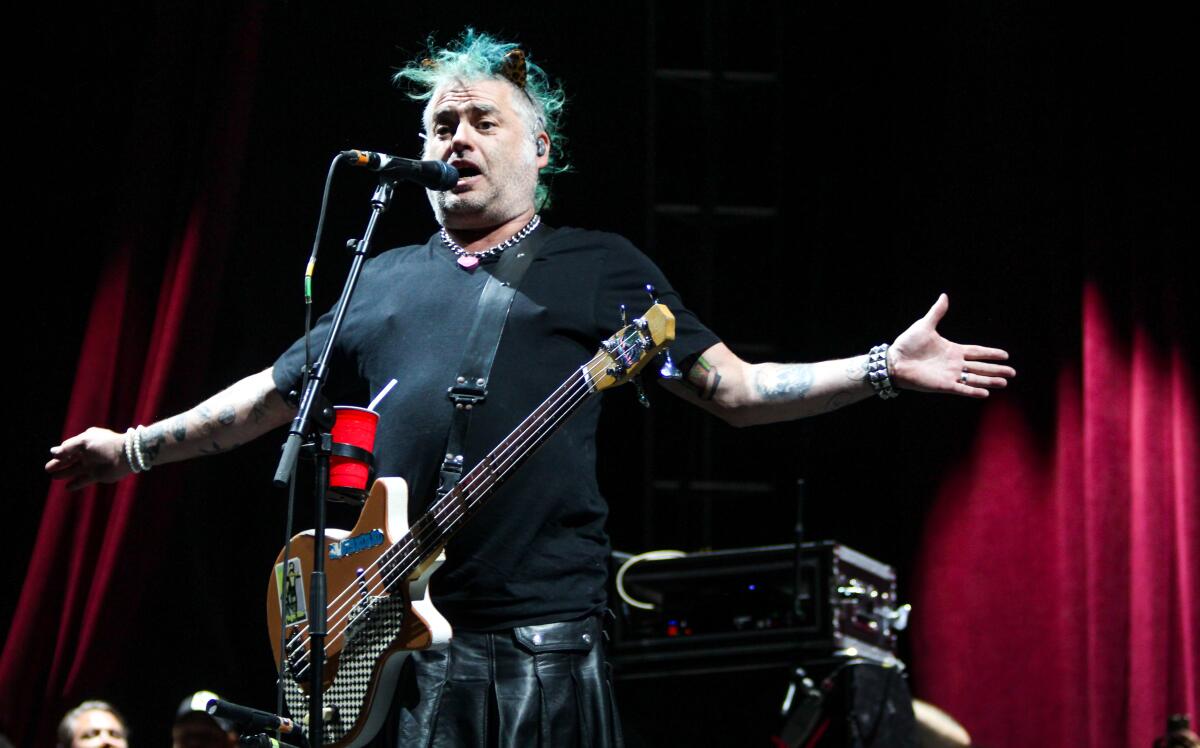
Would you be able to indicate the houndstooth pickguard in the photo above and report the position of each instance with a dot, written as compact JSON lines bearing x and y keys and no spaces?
{"x":347,"y":695}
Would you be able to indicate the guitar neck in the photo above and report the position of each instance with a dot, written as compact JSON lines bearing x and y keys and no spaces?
{"x":429,"y":534}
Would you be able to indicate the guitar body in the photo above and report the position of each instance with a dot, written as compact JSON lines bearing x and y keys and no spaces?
{"x":377,"y":575}
{"x":372,"y":625}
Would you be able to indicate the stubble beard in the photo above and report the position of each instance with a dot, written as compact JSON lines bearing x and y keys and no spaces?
{"x":496,"y":203}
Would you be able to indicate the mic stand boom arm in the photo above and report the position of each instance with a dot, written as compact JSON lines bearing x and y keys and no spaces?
{"x":304,"y":429}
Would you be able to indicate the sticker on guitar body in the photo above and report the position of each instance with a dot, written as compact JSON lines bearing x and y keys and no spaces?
{"x":350,"y":546}
{"x":291,"y":592}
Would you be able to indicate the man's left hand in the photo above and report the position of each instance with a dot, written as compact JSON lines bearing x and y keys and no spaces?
{"x":923,"y":360}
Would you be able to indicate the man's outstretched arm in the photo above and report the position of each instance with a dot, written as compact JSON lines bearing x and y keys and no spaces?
{"x":745,"y":394}
{"x":244,"y":411}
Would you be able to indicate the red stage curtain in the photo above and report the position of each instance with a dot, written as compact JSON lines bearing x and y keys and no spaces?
{"x":187,"y":138}
{"x":1056,"y":598}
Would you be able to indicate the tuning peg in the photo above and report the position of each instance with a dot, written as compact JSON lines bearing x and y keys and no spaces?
{"x":669,"y":370}
{"x":651,"y":290}
{"x":624,"y":316}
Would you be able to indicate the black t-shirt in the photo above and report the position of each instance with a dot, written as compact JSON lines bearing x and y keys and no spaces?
{"x":537,"y":551}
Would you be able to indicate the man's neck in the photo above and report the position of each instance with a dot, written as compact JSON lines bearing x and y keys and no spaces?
{"x":483,"y":238}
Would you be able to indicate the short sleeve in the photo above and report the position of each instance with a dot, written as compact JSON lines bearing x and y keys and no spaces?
{"x":626,"y":272}
{"x":288,"y":369}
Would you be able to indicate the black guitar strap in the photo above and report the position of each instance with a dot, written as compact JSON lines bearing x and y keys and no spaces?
{"x":469,"y":387}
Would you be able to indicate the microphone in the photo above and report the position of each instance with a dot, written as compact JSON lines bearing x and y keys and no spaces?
{"x":432,"y":175}
{"x":250,"y":720}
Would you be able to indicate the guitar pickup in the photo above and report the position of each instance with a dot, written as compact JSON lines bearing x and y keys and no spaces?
{"x":360,"y":614}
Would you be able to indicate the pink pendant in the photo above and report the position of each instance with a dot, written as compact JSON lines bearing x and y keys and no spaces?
{"x":468,"y":262}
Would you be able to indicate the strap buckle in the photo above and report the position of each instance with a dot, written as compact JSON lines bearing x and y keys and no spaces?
{"x":465,"y":394}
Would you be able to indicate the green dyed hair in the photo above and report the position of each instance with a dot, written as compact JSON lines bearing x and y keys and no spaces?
{"x":478,"y":56}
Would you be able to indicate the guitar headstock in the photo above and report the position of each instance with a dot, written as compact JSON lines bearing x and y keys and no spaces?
{"x":622,"y":356}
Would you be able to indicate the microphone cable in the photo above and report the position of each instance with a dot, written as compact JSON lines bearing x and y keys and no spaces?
{"x":291,"y":501}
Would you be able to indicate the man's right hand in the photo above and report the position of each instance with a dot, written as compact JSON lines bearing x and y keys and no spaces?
{"x":244,"y":411}
{"x":95,"y":456}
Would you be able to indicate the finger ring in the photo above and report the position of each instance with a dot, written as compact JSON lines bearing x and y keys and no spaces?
{"x":963,"y":378}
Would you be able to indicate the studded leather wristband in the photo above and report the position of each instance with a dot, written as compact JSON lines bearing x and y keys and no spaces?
{"x":878,"y":373}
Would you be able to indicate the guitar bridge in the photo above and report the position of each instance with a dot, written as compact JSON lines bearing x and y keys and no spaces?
{"x":296,"y":656}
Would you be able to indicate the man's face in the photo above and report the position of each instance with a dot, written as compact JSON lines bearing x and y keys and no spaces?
{"x":478,"y":128}
{"x":96,"y":728}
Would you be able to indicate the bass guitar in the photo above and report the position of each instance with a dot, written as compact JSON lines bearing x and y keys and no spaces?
{"x":379,"y":607}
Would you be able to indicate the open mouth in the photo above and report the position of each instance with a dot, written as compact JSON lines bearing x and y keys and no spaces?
{"x":465,"y":172}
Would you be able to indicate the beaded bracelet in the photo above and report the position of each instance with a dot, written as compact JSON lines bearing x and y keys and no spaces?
{"x":138,"y":463}
{"x":130,"y":452}
{"x":127,"y":450}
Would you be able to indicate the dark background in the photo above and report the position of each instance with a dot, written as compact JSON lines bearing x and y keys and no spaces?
{"x":999,"y":154}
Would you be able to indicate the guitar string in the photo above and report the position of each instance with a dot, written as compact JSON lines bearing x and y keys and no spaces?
{"x":458,"y":510}
{"x":442,"y":506}
{"x":439,"y":517}
{"x":487,"y":474}
{"x":425,"y":520}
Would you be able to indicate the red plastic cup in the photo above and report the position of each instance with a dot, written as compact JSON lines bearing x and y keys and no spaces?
{"x":355,"y":427}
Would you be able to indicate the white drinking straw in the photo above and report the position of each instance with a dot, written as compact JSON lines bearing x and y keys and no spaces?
{"x":382,"y":394}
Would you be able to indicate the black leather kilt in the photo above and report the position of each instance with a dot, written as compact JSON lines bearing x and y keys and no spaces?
{"x":543,"y":685}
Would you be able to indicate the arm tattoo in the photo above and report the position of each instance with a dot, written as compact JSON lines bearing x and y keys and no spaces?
{"x":838,"y":401}
{"x":204,"y":414}
{"x":258,"y":410}
{"x":152,"y":440}
{"x":785,"y":382}
{"x":179,"y":428}
{"x":856,"y":370}
{"x":217,"y":448}
{"x":704,"y":379}
{"x":227,"y":415}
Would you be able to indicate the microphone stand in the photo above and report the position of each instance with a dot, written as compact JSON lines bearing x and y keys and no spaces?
{"x":311,"y":431}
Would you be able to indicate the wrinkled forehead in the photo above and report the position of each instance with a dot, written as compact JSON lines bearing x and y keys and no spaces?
{"x":487,"y":95}
{"x":97,"y":719}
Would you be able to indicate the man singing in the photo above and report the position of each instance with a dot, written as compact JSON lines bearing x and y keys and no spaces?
{"x":531,"y":567}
